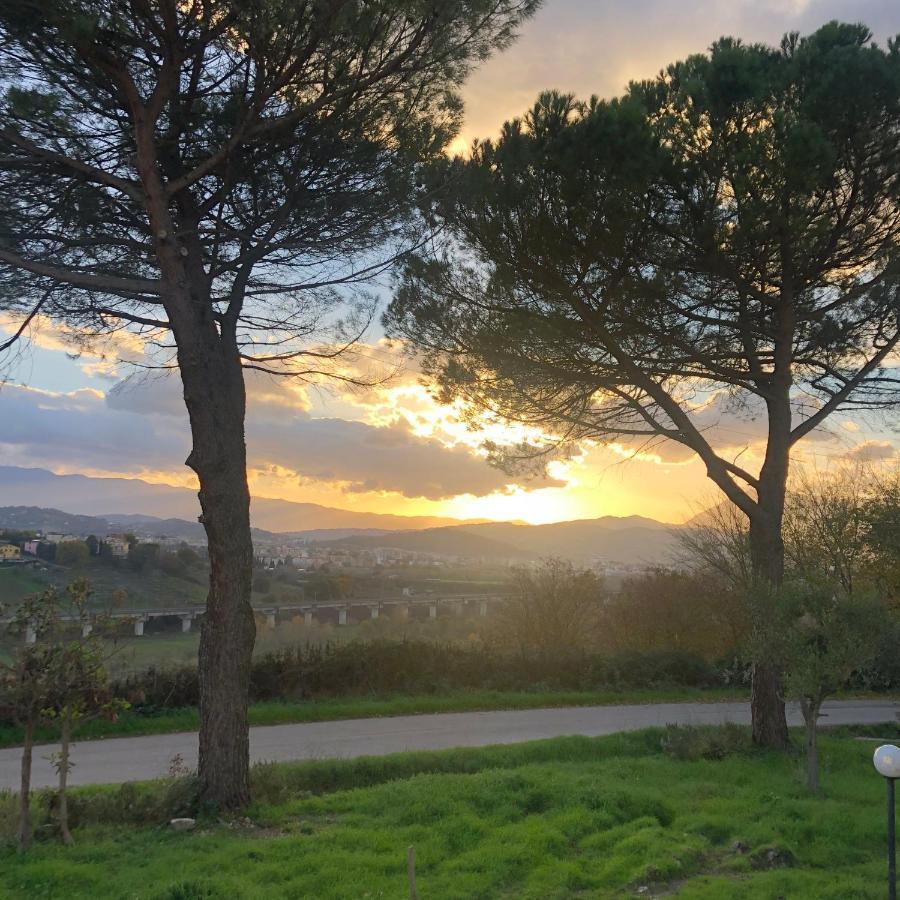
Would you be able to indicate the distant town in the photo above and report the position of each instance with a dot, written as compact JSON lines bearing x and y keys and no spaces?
{"x":352,"y":551}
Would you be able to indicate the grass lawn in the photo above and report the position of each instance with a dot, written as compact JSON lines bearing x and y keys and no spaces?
{"x":144,"y":589}
{"x":281,"y":713}
{"x":567,"y":818}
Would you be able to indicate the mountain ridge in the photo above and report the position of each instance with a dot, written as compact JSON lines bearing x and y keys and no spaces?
{"x":581,"y":540}
{"x":105,"y":497}
{"x":625,"y":539}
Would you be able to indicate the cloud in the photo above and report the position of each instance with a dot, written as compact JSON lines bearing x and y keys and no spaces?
{"x":78,"y":431}
{"x":597,"y":46}
{"x":366,"y":458}
{"x":141,"y":426}
{"x":99,"y":356}
{"x":871,"y":451}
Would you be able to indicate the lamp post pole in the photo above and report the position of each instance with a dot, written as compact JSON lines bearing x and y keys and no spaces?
{"x":892,"y":842}
{"x":887,"y":763}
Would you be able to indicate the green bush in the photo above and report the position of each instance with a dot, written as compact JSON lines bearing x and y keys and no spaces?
{"x":693,"y":742}
{"x":421,"y":667}
{"x":135,"y":803}
{"x":883,"y":672}
{"x":381,"y":667}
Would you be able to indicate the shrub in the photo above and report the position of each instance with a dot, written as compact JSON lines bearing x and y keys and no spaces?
{"x":140,"y":804}
{"x":421,"y":667}
{"x":693,"y":742}
{"x":382,"y":666}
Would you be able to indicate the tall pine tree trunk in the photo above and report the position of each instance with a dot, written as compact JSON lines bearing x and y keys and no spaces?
{"x":214,"y":394}
{"x":767,"y":559}
{"x":213,"y":381}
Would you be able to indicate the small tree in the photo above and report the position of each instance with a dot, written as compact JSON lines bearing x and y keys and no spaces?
{"x":881,"y":513}
{"x":59,"y":678}
{"x":822,"y":635}
{"x":24,"y":690}
{"x":826,"y":533}
{"x":553,"y":608}
{"x":188,"y":556}
{"x":72,"y":553}
{"x":78,"y":691}
{"x":143,"y":556}
{"x":695,"y":612}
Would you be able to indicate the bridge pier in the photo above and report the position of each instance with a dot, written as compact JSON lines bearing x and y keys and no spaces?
{"x":139,"y":627}
{"x":186,"y":624}
{"x":270,"y":620}
{"x":86,"y":629}
{"x":373,"y":612}
{"x":342,"y":616}
{"x":432,"y":611}
{"x":482,"y":608}
{"x":307,"y":617}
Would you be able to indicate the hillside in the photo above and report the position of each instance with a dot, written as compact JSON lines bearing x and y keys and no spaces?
{"x":445,"y":541}
{"x":35,"y":518}
{"x":101,"y":505}
{"x":108,"y":497}
{"x":192,"y":532}
{"x":148,"y":588}
{"x":631,"y":540}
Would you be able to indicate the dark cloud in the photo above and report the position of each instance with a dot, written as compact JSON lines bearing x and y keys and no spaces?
{"x":366,"y":458}
{"x":78,"y":429}
{"x":141,"y":426}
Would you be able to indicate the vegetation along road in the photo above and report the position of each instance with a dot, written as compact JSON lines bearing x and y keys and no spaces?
{"x":139,"y":758}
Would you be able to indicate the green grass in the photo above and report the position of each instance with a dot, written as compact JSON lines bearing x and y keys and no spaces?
{"x":550,"y":820}
{"x":280,"y":713}
{"x":149,"y":588}
{"x":17,"y":582}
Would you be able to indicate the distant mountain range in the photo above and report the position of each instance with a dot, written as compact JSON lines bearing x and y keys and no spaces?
{"x":631,"y":540}
{"x":100,"y":506}
{"x":110,"y":497}
{"x":51,"y":521}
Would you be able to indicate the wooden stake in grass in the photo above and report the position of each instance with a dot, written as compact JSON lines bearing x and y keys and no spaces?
{"x":411,"y":872}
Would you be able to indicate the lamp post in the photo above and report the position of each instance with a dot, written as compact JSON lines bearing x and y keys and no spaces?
{"x":887,"y":763}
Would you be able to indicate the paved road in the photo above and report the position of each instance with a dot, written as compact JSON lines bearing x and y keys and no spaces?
{"x":116,"y":760}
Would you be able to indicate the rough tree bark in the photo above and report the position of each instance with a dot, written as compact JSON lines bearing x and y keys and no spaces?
{"x":767,"y":559}
{"x":214,"y":394}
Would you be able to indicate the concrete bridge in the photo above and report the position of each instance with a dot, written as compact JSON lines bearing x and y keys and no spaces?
{"x":348,"y":610}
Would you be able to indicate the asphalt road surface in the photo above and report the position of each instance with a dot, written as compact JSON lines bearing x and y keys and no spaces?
{"x":116,"y":760}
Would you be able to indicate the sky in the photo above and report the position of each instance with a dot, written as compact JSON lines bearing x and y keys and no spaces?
{"x":392,"y":448}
